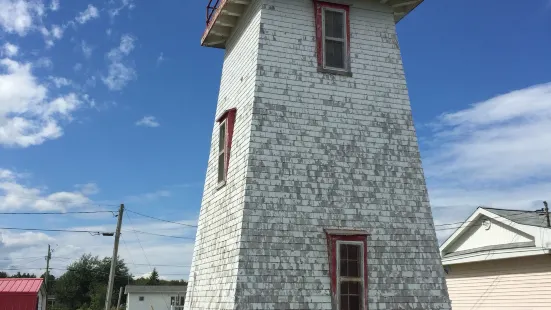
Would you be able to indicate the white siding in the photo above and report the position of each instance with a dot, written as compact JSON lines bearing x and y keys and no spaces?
{"x":314,"y":151}
{"x":212,"y":279}
{"x":152,"y":301}
{"x":498,"y":234}
{"x":512,"y":284}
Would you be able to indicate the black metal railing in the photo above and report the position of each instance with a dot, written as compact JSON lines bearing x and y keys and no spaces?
{"x":211,"y":9}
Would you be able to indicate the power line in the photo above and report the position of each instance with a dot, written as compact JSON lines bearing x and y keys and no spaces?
{"x":55,"y":213}
{"x":449,"y":228}
{"x":61,"y":201}
{"x":145,"y":255}
{"x":463,"y":222}
{"x":160,"y":235}
{"x":162,"y":220}
{"x":59,"y":230}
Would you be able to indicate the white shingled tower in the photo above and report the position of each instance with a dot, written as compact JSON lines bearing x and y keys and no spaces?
{"x":314,"y":196}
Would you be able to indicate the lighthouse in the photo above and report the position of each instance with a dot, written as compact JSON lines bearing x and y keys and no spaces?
{"x":314,"y":195}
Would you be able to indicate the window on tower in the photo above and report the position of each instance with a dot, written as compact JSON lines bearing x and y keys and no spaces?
{"x":225,"y":132}
{"x":333,"y":37}
{"x":348,"y":269}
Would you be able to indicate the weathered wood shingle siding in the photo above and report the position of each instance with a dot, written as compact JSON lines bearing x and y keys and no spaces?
{"x":329,"y":151}
{"x":214,"y":268}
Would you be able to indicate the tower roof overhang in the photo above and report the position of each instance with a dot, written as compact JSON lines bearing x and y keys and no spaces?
{"x":223,"y":16}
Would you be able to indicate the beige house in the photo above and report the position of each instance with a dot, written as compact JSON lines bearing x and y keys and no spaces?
{"x":499,"y":259}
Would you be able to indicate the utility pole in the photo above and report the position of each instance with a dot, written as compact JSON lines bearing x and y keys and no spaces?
{"x":119,"y":301}
{"x":546,"y":210}
{"x":114,"y":259}
{"x":48,"y":257}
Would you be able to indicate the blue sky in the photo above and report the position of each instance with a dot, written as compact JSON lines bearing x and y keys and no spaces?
{"x":118,"y":100}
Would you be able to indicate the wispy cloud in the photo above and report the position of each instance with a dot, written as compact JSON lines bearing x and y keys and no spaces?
{"x":120,"y":5}
{"x":9,"y":50}
{"x":90,"y":13}
{"x":86,"y":49}
{"x":148,"y":121}
{"x":160,"y":59}
{"x":493,"y":153}
{"x":119,"y":71}
{"x":147,"y":197}
{"x":19,"y":16}
{"x":54,"y":5}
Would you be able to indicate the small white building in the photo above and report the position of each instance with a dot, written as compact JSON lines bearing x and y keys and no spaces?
{"x":155,"y":297}
{"x":499,"y":259}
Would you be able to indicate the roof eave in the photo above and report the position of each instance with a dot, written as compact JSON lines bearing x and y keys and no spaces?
{"x":226,"y":16}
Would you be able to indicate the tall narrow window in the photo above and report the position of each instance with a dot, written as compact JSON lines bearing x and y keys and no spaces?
{"x":222,"y":152}
{"x":333,"y":37}
{"x":225,"y":133}
{"x":348,"y":269}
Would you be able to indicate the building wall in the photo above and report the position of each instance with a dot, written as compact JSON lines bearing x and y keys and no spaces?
{"x":330,"y":151}
{"x":498,"y":234}
{"x":213,"y":273}
{"x":152,"y":301}
{"x":324,"y":151}
{"x":515,"y":284}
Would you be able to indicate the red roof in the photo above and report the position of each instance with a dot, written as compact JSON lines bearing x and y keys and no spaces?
{"x":20,"y":285}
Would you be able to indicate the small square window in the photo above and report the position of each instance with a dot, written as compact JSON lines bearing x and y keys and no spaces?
{"x":141,"y":298}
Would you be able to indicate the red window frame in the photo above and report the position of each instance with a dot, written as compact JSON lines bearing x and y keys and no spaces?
{"x":319,"y":6}
{"x":229,"y":117}
{"x":333,"y":239}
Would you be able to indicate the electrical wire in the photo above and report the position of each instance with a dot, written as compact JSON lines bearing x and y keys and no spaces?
{"x":162,"y":220}
{"x":144,"y":254}
{"x":60,"y":201}
{"x":55,"y":213}
{"x":160,"y":235}
{"x":57,"y":230}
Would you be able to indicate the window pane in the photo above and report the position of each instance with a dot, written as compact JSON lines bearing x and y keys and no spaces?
{"x":353,"y":251}
{"x":354,"y":302}
{"x":334,"y":24}
{"x":344,"y":302}
{"x":222,"y":137}
{"x":354,"y":288}
{"x":343,"y":268}
{"x":353,"y":268}
{"x":334,"y":54}
{"x":221,"y":167}
{"x":344,"y":288}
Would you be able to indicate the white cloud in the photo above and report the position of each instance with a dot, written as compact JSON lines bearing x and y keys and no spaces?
{"x":88,"y":188}
{"x":60,"y":81}
{"x":86,"y":49}
{"x":28,"y":114}
{"x":148,"y":121}
{"x":10,"y":50}
{"x":148,"y":197}
{"x":119,"y":72}
{"x":493,"y":153}
{"x":121,"y":5}
{"x":90,"y":13}
{"x":16,"y":196}
{"x":160,"y":59}
{"x":54,"y":5}
{"x":77,"y":67}
{"x":57,"y":32}
{"x":18,"y":16}
{"x":44,"y":62}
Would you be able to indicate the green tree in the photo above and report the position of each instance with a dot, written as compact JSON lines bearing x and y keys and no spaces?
{"x":83,"y":285}
{"x":3,"y":274}
{"x":154,"y":278}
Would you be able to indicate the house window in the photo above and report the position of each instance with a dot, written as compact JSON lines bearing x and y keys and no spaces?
{"x":141,"y":298}
{"x":333,"y":37}
{"x":222,"y":152}
{"x":348,"y":269}
{"x":225,"y":132}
